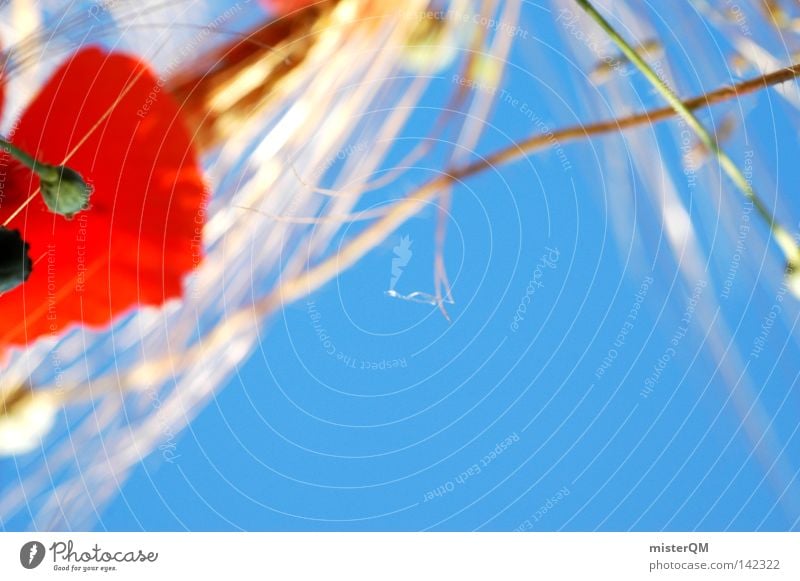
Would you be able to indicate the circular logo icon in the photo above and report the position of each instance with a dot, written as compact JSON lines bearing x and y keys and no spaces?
{"x":31,"y":554}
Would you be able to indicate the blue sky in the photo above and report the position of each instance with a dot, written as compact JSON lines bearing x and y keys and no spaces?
{"x":564,"y":421}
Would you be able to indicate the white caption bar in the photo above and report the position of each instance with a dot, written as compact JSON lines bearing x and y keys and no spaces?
{"x":401,"y":556}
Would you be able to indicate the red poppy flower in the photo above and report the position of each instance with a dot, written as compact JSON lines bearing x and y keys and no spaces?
{"x":107,"y":117}
{"x":286,"y":6}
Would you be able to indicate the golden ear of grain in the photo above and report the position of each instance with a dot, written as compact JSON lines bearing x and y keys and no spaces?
{"x":230,"y":84}
{"x":25,"y":417}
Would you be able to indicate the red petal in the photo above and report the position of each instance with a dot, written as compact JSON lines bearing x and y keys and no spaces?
{"x":142,"y":233}
{"x":2,"y":93}
{"x":281,"y":7}
{"x":3,"y":63}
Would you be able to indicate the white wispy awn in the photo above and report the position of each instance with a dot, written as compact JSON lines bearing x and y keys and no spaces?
{"x":128,"y":390}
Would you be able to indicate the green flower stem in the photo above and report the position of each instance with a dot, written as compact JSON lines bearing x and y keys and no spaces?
{"x":64,"y":190}
{"x":45,"y":171}
{"x":781,"y":236}
{"x":21,"y":156}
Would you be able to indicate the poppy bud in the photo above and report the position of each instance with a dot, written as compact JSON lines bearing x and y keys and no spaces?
{"x":15,"y":264}
{"x":64,"y":190}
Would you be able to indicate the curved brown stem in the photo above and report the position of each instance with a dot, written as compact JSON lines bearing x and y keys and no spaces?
{"x":612,"y":125}
{"x":318,"y":275}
